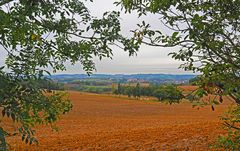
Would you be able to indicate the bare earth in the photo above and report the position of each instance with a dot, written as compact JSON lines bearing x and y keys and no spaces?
{"x":99,"y":122}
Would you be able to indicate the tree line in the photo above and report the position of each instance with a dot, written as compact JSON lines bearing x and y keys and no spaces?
{"x":166,"y":92}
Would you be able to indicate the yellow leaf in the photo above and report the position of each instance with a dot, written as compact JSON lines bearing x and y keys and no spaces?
{"x":34,"y":37}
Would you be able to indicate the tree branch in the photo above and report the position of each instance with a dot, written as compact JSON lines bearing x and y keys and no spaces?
{"x":235,"y":98}
{"x":162,"y":45}
{"x":231,"y":126}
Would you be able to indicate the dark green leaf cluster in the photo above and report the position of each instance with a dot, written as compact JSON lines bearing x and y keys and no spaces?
{"x":27,"y":105}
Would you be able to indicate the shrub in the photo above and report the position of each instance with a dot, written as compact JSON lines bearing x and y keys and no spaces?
{"x":169,"y":93}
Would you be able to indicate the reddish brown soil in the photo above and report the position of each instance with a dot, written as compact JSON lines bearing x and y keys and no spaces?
{"x":100,"y":122}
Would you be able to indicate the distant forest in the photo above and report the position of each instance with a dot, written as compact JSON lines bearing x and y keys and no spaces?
{"x":164,"y":89}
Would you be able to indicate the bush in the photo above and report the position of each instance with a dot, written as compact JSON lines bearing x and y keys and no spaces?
{"x":169,"y":93}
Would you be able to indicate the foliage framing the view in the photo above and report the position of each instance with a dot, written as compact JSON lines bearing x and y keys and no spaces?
{"x":37,"y":34}
{"x":207,"y":34}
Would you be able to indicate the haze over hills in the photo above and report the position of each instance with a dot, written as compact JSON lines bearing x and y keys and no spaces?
{"x":156,"y":78}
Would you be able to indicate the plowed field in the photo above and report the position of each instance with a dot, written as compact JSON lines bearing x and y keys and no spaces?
{"x":99,"y":122}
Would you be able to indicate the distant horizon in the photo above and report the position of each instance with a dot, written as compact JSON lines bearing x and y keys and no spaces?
{"x":126,"y":74}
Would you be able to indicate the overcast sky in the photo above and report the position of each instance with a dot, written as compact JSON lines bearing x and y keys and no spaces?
{"x":148,"y":59}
